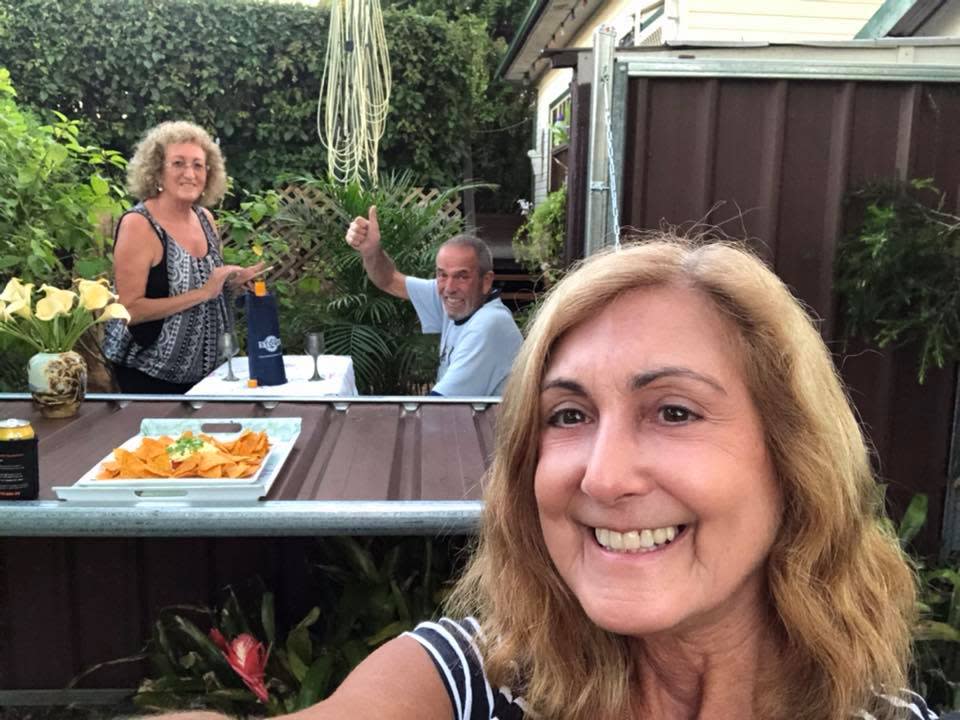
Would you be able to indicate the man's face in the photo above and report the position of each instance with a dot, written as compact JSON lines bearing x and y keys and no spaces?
{"x":461,"y":286}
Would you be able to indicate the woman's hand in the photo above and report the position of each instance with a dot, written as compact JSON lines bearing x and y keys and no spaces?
{"x":220,"y":275}
{"x":245,"y":276}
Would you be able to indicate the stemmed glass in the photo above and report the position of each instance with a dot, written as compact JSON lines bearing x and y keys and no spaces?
{"x":314,"y":347}
{"x":227,"y":346}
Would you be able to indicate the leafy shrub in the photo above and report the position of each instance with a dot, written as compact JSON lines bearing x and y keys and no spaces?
{"x":54,"y":194}
{"x":898,"y":273}
{"x":250,"y":71}
{"x":365,"y":591}
{"x":538,"y":243}
{"x":936,"y":671}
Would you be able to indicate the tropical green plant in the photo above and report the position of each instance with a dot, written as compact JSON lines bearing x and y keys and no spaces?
{"x":55,"y":194}
{"x":898,"y":273}
{"x":236,"y":658}
{"x":936,"y":671}
{"x":538,"y":243}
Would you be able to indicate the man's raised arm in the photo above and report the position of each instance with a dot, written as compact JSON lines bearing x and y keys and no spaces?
{"x":364,"y":236}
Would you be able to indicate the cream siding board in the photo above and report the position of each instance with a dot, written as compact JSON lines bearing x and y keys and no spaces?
{"x":774,"y":20}
{"x":552,"y":86}
{"x":619,"y":14}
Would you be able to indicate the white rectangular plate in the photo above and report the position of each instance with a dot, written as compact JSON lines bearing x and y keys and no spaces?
{"x":282,"y":432}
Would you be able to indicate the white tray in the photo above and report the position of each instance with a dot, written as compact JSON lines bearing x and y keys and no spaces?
{"x":282,"y":432}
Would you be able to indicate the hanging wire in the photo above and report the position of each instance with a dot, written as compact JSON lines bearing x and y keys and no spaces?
{"x":354,"y":89}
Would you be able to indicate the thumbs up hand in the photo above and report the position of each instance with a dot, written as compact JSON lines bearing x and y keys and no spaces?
{"x":364,"y":233}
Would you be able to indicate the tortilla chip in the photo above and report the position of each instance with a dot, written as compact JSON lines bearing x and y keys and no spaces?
{"x":237,"y":458}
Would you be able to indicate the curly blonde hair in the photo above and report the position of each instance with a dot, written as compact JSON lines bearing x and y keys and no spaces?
{"x":842,"y":591}
{"x":146,"y":167}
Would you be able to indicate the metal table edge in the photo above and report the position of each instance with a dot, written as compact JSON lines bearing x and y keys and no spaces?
{"x":51,"y":518}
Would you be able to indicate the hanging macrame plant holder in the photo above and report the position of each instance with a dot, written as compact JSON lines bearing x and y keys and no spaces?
{"x":354,"y":90}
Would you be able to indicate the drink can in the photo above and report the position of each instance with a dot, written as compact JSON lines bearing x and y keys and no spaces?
{"x":19,"y":468}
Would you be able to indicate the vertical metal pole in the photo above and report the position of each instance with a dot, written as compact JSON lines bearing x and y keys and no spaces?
{"x":598,"y":191}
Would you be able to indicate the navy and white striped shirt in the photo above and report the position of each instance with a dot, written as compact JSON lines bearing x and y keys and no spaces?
{"x":452,"y":646}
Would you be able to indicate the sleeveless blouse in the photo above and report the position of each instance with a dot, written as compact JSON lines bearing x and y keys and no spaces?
{"x":181,"y":348}
{"x":452,"y":646}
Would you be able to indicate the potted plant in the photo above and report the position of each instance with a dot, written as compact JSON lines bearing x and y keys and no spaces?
{"x":52,"y":326}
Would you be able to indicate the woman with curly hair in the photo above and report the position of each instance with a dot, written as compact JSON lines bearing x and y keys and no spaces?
{"x":680,"y":521}
{"x":168,"y":266}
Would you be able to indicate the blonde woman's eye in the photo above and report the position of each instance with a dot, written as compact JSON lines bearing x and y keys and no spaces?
{"x":566,"y":417}
{"x":677,"y":414}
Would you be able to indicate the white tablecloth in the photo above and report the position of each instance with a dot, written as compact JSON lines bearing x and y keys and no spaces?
{"x":337,"y":371}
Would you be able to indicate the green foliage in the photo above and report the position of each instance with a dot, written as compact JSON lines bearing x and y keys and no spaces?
{"x":538,"y":243}
{"x":367,"y":591}
{"x":503,"y":17}
{"x":54,"y":193}
{"x":898,"y":274}
{"x":250,"y":71}
{"x":936,"y":671}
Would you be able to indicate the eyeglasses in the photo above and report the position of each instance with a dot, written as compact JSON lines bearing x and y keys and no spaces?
{"x":182,"y":165}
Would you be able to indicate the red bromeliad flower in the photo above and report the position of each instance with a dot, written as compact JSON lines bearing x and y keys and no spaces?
{"x":248,"y":659}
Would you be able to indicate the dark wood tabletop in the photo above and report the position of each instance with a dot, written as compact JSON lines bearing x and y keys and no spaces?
{"x":419,"y":454}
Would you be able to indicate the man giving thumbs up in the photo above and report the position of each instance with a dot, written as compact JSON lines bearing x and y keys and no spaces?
{"x":478,"y":337}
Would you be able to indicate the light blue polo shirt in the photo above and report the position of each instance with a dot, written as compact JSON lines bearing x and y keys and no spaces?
{"x":476,"y":355}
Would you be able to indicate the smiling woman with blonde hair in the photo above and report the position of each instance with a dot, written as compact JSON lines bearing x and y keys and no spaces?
{"x":168,"y":266}
{"x":680,"y":520}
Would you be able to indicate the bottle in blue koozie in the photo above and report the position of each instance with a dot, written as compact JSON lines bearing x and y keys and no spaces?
{"x":264,"y":349}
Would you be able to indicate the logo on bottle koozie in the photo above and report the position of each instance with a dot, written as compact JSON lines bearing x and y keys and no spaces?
{"x":271,"y":343}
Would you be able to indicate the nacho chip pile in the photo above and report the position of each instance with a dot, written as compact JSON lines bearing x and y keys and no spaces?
{"x":238,"y":458}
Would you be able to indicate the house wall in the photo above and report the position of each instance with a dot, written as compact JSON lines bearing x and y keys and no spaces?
{"x":554,"y":83}
{"x":780,"y":21}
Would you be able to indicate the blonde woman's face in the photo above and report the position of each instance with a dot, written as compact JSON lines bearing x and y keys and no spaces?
{"x":656,"y":494}
{"x":184,"y":171}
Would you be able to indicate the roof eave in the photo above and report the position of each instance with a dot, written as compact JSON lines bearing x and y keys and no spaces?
{"x":533,"y":14}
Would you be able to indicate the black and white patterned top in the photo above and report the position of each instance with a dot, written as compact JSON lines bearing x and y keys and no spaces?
{"x":185,"y":350}
{"x":452,"y":646}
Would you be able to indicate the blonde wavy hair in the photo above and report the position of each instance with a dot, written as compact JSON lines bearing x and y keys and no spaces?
{"x":145,"y":170}
{"x":841,"y":590}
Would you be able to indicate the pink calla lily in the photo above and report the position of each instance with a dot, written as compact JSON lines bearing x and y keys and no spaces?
{"x":248,"y":658}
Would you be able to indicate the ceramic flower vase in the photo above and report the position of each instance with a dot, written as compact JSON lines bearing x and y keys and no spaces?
{"x":58,"y":382}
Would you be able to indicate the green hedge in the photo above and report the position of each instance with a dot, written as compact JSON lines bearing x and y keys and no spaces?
{"x":250,"y":71}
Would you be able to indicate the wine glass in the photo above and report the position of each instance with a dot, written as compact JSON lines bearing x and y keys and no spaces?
{"x":227,"y":345}
{"x":314,"y":347}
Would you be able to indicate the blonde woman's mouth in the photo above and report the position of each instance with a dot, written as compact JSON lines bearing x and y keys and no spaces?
{"x":639,"y":540}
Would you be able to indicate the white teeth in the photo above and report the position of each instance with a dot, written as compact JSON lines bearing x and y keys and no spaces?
{"x":633,"y":541}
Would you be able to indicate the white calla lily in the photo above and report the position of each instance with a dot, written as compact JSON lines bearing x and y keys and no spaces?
{"x":16,"y":290}
{"x":94,"y":294}
{"x":63,"y":299}
{"x":48,"y":309}
{"x":114,"y":311}
{"x":20,"y":308}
